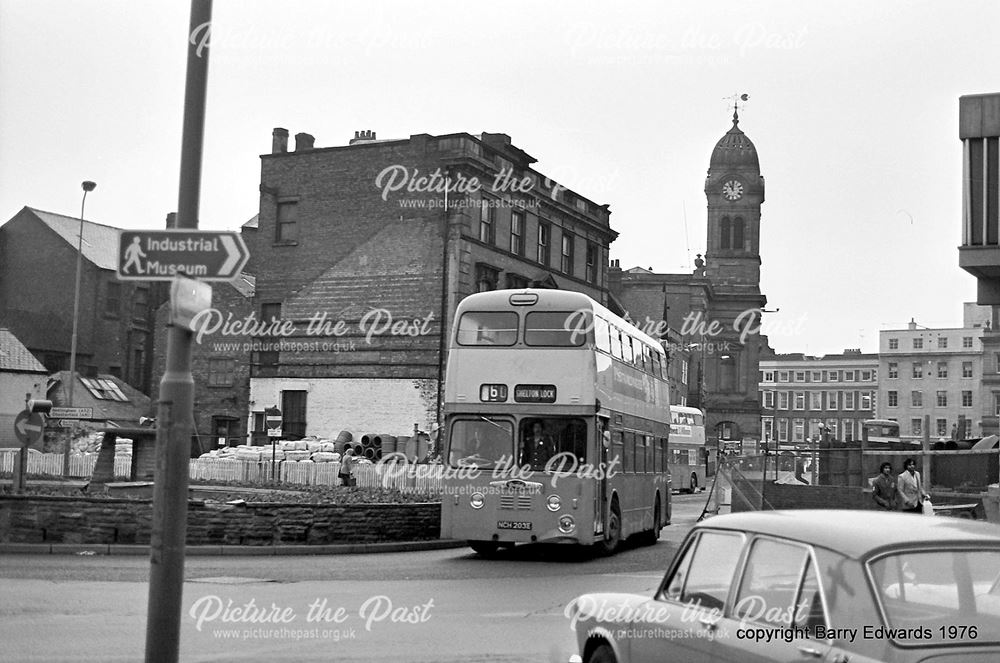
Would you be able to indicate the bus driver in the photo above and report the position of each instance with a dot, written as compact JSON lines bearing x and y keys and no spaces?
{"x":538,"y":448}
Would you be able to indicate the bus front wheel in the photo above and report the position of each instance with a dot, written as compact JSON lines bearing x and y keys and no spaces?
{"x":613,"y":532}
{"x":484,"y":548}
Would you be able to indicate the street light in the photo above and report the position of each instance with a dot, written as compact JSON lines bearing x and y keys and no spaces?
{"x":88,"y":186}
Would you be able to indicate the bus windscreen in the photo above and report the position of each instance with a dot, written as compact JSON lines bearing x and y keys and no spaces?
{"x":487,"y":328}
{"x":555,"y":329}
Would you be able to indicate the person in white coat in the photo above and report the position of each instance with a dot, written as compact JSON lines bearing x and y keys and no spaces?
{"x":911,"y":488}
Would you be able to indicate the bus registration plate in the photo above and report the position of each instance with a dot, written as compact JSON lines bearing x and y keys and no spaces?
{"x":513,"y":524}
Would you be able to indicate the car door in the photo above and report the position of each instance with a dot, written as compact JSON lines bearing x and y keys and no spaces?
{"x":777,"y":612}
{"x":679,"y":623}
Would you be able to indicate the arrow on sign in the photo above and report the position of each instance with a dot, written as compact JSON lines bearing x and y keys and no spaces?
{"x":23,"y":427}
{"x":159,"y":255}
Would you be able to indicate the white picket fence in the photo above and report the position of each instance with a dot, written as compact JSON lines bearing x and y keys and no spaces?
{"x":406,"y":478}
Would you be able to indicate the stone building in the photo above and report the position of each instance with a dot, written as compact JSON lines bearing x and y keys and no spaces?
{"x":365,"y":249}
{"x":717,"y":309}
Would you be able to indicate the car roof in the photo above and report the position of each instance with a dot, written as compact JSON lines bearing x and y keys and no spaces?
{"x":858,"y":533}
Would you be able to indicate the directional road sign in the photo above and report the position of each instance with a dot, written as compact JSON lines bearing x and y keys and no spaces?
{"x":28,"y":427}
{"x":71,"y":413}
{"x":159,"y":255}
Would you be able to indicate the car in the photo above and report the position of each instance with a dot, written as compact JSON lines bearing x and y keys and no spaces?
{"x":809,"y":585}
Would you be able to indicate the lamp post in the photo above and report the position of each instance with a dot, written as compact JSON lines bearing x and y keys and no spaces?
{"x":88,"y":186}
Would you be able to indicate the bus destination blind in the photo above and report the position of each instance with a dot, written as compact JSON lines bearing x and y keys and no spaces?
{"x":535,"y":393}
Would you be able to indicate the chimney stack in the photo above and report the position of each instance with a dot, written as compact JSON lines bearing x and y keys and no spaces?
{"x":303,"y":141}
{"x":279,"y":141}
{"x":362,"y":136}
{"x":171,"y":220}
{"x":913,"y":324}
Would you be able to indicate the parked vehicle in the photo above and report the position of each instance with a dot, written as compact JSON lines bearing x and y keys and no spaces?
{"x":828,"y":585}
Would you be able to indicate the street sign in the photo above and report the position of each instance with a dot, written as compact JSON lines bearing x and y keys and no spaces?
{"x":159,"y":255}
{"x":28,"y":427}
{"x":71,"y":413}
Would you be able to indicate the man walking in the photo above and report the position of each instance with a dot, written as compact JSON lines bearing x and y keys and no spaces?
{"x":884,"y":490}
{"x":911,"y":488}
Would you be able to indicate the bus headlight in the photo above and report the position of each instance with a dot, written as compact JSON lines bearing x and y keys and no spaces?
{"x":477,"y":500}
{"x":553,"y":503}
{"x":567,"y":524}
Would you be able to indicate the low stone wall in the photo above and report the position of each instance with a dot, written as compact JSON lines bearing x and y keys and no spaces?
{"x":791,"y":496}
{"x":27,"y":519}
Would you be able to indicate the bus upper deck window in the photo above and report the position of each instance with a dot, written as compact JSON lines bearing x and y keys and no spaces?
{"x":556,"y":328}
{"x":487,"y":328}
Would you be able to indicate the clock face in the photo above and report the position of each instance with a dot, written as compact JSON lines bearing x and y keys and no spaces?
{"x":732,"y":190}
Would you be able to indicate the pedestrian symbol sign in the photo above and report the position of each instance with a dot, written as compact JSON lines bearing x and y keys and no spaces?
{"x":159,"y":255}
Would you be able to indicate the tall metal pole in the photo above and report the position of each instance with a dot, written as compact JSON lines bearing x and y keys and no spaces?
{"x":175,"y":410}
{"x":88,"y":186}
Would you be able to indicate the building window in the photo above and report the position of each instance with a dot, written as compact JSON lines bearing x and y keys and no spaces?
{"x":942,"y":427}
{"x":769,"y":400}
{"x":866,"y":376}
{"x":893,"y":370}
{"x":590,"y":273}
{"x":893,"y":398}
{"x":103,"y":389}
{"x":726,"y":230}
{"x":816,"y":400}
{"x":848,"y":427}
{"x":293,"y":413}
{"x":848,"y":376}
{"x":918,"y":344}
{"x":966,"y":369}
{"x":893,"y":343}
{"x":768,"y":376}
{"x":487,"y":216}
{"x":684,"y":372}
{"x":800,"y":376}
{"x":942,"y":399}
{"x":544,"y":235}
{"x":287,"y":229}
{"x":738,"y":231}
{"x":833,"y":376}
{"x":996,"y":404}
{"x":782,"y":430}
{"x":966,"y":342}
{"x":849,"y":400}
{"x":916,"y":426}
{"x":800,"y":400}
{"x":966,"y":398}
{"x":221,"y":372}
{"x":817,"y":376}
{"x":517,"y":233}
{"x":782,"y":376}
{"x":942,"y":344}
{"x":798,"y":430}
{"x":918,"y":370}
{"x":486,"y":278}
{"x":832,"y":400}
{"x":112,"y":298}
{"x":916,"y":399}
{"x":566,"y":262}
{"x":782,"y":400}
{"x":140,"y":304}
{"x":942,"y":369}
{"x":866,"y":401}
{"x":517,"y":282}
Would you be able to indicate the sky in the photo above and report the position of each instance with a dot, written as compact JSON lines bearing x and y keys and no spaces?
{"x":853,"y":108}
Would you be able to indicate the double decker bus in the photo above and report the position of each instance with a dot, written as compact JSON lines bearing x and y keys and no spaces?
{"x":879,"y":431}
{"x":557,"y":419}
{"x":691,"y":461}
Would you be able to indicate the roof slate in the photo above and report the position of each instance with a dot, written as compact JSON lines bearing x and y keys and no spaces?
{"x":15,"y":357}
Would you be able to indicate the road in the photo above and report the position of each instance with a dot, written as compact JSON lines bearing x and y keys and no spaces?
{"x":444,"y":605}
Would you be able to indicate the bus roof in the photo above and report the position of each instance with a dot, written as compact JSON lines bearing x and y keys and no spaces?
{"x":552,"y":300}
{"x":687,"y":410}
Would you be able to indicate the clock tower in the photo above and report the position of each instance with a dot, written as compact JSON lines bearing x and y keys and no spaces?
{"x":734,"y":190}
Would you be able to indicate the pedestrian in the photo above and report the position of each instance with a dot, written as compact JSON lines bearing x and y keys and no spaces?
{"x":884,"y":490}
{"x":911,"y":488}
{"x":346,"y":464}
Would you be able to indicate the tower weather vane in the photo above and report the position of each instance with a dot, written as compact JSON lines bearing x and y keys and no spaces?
{"x":736,"y":98}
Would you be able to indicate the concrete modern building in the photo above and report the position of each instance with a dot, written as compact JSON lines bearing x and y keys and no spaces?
{"x":800,"y":395}
{"x":365,"y":250}
{"x":935,"y":373}
{"x":717,"y":308}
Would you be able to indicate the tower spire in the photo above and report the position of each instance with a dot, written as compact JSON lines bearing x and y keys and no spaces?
{"x":737,"y":98}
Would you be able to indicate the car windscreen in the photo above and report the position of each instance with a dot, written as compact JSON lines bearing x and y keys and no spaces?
{"x":939,"y":596}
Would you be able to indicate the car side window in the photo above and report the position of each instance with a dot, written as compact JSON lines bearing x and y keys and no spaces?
{"x":770,"y":584}
{"x":705,"y":574}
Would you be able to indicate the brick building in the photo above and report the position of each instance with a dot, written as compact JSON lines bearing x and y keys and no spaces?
{"x":798,"y":393}
{"x":935,"y":373}
{"x":716,"y":309}
{"x":365,"y":250}
{"x":37,"y":278}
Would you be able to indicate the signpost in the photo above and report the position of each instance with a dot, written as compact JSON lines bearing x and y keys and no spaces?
{"x":71,"y":413}
{"x":272,"y":422}
{"x":160,"y":255}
